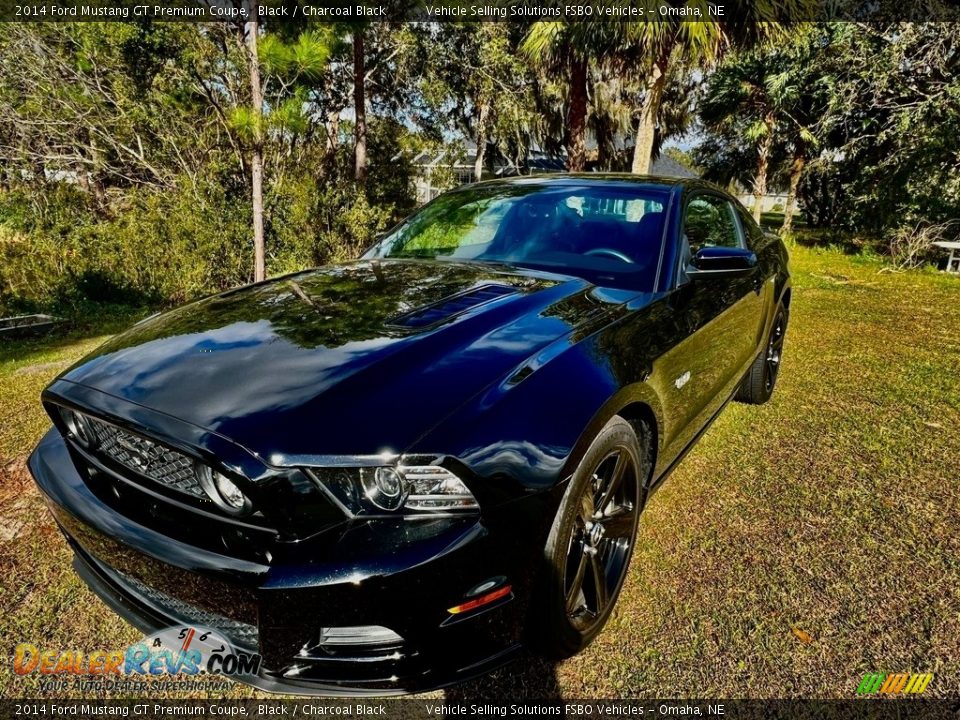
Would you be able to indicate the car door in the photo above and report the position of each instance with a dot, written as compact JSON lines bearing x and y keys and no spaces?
{"x":719,"y":318}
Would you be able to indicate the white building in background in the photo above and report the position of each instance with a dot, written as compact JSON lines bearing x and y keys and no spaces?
{"x":771,"y":202}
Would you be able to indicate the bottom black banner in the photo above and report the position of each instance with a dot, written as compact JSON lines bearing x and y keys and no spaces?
{"x":879,"y":709}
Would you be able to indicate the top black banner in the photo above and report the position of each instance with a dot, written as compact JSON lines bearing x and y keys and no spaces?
{"x":304,"y":11}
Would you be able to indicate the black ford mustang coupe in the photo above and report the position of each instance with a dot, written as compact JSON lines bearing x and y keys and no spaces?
{"x":388,"y":475}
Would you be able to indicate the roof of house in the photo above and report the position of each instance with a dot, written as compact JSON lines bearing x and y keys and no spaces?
{"x":666,"y":166}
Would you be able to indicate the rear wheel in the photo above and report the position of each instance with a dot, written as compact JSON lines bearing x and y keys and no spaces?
{"x":758,"y":385}
{"x":591,"y":541}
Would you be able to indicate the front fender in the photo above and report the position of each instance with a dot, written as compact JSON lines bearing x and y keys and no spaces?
{"x":529,"y":432}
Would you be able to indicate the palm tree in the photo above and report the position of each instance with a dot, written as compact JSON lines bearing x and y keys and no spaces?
{"x":746,"y":95}
{"x":359,"y":104}
{"x":650,"y":49}
{"x":769,"y":98}
{"x":568,"y":48}
{"x":695,"y":39}
{"x":805,"y":58}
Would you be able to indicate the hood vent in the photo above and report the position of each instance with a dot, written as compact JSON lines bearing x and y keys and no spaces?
{"x":451,"y":306}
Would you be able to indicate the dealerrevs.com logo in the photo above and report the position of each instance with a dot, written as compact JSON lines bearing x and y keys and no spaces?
{"x":894,"y":683}
{"x":178,"y":650}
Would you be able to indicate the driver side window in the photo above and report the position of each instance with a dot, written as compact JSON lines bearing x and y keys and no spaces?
{"x":708,"y":221}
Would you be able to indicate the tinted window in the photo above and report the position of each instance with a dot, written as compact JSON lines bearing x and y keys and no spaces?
{"x":752,"y":231}
{"x":709,"y":222}
{"x":605,"y":233}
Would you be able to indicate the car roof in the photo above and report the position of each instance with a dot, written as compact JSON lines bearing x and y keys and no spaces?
{"x":654,"y":182}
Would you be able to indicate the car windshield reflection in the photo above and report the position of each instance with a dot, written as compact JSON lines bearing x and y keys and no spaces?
{"x":607,"y":234}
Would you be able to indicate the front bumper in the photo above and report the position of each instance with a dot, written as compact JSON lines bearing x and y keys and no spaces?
{"x":401,"y":575}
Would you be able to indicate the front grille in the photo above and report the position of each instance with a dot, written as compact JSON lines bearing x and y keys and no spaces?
{"x":145,"y":457}
{"x":240,"y":633}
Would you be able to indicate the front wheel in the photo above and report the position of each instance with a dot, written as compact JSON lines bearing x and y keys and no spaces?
{"x":591,"y":541}
{"x":758,"y":385}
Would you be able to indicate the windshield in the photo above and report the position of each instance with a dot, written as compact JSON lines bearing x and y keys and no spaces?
{"x":607,"y":234}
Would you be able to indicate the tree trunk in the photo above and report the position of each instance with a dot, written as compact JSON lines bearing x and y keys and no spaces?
{"x":359,"y":108}
{"x":763,"y":166}
{"x":481,"y":140}
{"x":796,"y":172}
{"x":333,"y":135}
{"x":647,"y":127}
{"x":256,"y":164}
{"x":577,"y":117}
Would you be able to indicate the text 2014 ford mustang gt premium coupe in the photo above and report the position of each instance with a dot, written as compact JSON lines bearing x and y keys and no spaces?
{"x":388,"y":475}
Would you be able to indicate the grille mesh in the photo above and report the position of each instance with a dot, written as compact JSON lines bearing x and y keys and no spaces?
{"x":148,"y":458}
{"x":240,"y":633}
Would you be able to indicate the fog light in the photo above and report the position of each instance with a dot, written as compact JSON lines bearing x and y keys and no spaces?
{"x":361,"y":638}
{"x":223,"y":491}
{"x":80,"y":427}
{"x":359,"y":635}
{"x":229,"y":491}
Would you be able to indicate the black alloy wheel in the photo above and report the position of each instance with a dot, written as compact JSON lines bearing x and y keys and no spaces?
{"x":600,"y":544}
{"x":775,"y":350}
{"x":592,"y":538}
{"x":758,"y":385}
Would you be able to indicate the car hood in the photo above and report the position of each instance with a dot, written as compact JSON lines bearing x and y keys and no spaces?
{"x":359,"y":358}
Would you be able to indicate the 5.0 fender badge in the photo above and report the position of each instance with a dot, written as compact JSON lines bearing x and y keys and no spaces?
{"x":682,"y":380}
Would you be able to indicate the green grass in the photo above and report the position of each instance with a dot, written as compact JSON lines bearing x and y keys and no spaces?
{"x":774,"y":220}
{"x":800,"y":545}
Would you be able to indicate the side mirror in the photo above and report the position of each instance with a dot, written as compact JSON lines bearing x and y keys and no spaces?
{"x":721,"y":262}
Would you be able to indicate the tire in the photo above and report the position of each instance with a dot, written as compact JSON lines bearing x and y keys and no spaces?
{"x":568,"y":616}
{"x":758,"y":386}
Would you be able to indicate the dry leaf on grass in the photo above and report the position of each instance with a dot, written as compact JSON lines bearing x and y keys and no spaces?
{"x":802,"y":635}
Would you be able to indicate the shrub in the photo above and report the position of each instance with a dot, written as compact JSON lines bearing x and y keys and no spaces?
{"x":153,"y":247}
{"x":60,"y":248}
{"x":911,"y":246}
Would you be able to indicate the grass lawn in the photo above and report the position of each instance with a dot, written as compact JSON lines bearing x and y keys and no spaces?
{"x":800,"y":545}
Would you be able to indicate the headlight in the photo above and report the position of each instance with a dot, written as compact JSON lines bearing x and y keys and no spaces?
{"x":383,"y":486}
{"x":80,"y":427}
{"x":223,"y":491}
{"x":417,"y":488}
{"x":435,"y":488}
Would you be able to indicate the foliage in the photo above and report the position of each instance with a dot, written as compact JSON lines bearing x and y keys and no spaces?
{"x":684,"y":158}
{"x":161,"y":247}
{"x":477,"y":84}
{"x":126,"y":149}
{"x":761,"y":107}
{"x":892,"y":127}
{"x":910,"y":247}
{"x":125,"y":161}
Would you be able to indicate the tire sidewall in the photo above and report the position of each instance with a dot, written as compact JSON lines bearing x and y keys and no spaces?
{"x":559,"y":637}
{"x":780,"y":313}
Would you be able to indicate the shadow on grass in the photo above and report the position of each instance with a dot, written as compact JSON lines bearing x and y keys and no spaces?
{"x":527,"y":678}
